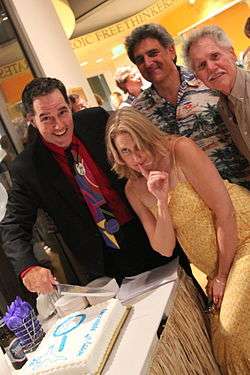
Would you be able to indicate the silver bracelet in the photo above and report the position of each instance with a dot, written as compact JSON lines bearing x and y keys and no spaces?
{"x":220,"y":282}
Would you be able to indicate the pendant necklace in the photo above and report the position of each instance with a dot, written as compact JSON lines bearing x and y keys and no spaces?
{"x":81,"y":170}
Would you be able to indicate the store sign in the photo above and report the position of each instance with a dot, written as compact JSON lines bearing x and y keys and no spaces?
{"x":9,"y":70}
{"x":121,"y":27}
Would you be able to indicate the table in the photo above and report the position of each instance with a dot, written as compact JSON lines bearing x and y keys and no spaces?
{"x":138,"y":338}
{"x":139,"y":331}
{"x":184,"y":347}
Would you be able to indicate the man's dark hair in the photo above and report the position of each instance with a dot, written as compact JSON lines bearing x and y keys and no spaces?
{"x":73,"y":98}
{"x":38,"y":87}
{"x":151,"y":30}
{"x":247,"y":28}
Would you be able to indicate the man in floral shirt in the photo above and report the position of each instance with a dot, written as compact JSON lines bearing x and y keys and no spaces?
{"x":178,"y":103}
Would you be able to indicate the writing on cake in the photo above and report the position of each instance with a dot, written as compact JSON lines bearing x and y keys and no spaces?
{"x":77,"y":343}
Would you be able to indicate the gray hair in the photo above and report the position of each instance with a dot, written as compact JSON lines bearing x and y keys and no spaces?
{"x":151,"y":30}
{"x":213,"y":32}
{"x":123,"y":72}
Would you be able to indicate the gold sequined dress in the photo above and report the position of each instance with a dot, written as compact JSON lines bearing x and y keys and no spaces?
{"x":193,"y":222}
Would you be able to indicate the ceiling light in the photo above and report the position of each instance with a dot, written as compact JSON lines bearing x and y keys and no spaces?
{"x":84,"y":63}
{"x":118,"y":50}
{"x":99,"y":60}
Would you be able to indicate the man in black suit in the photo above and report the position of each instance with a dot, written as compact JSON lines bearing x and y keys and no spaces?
{"x":95,"y":221}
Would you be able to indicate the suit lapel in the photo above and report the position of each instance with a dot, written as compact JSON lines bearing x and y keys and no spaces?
{"x":95,"y":145}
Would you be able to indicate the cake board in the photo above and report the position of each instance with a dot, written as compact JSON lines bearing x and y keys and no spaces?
{"x":113,"y":340}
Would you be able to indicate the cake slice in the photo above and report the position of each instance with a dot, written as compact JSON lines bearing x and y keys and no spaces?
{"x":78,"y":343}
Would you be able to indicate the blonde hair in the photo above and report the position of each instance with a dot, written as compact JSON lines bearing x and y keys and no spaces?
{"x":146,"y":136}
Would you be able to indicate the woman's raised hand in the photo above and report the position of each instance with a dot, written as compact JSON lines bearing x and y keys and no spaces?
{"x":157,"y":183}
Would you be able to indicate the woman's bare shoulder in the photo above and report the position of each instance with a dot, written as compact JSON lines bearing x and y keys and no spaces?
{"x":175,"y":141}
{"x":185,"y":146}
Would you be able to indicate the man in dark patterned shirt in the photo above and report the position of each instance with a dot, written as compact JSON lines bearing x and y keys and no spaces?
{"x":179,"y":103}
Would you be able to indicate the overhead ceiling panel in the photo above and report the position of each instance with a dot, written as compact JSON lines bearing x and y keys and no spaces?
{"x":81,"y":8}
{"x":92,"y":15}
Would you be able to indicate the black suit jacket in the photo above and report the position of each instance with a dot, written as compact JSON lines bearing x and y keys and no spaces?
{"x":38,"y":182}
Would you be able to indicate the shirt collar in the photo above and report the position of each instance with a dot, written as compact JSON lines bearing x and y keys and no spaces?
{"x":238,"y":91}
{"x":187,"y":77}
{"x":60,"y":150}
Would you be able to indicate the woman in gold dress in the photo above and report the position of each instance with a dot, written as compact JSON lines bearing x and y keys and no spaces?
{"x":177,"y":192}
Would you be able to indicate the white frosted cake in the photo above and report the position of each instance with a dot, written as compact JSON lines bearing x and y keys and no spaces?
{"x":77,"y":343}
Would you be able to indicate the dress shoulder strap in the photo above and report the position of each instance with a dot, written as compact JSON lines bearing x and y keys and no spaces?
{"x":177,"y":170}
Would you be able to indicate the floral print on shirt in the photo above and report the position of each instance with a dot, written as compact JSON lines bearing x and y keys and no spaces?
{"x":195,"y":115}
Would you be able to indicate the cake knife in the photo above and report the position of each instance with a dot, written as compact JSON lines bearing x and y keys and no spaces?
{"x":66,"y":289}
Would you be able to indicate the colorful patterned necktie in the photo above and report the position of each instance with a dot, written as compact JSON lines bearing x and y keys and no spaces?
{"x":101,"y":213}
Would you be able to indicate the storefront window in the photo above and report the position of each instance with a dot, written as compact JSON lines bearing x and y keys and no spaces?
{"x":15,"y":73}
{"x":100,"y":87}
